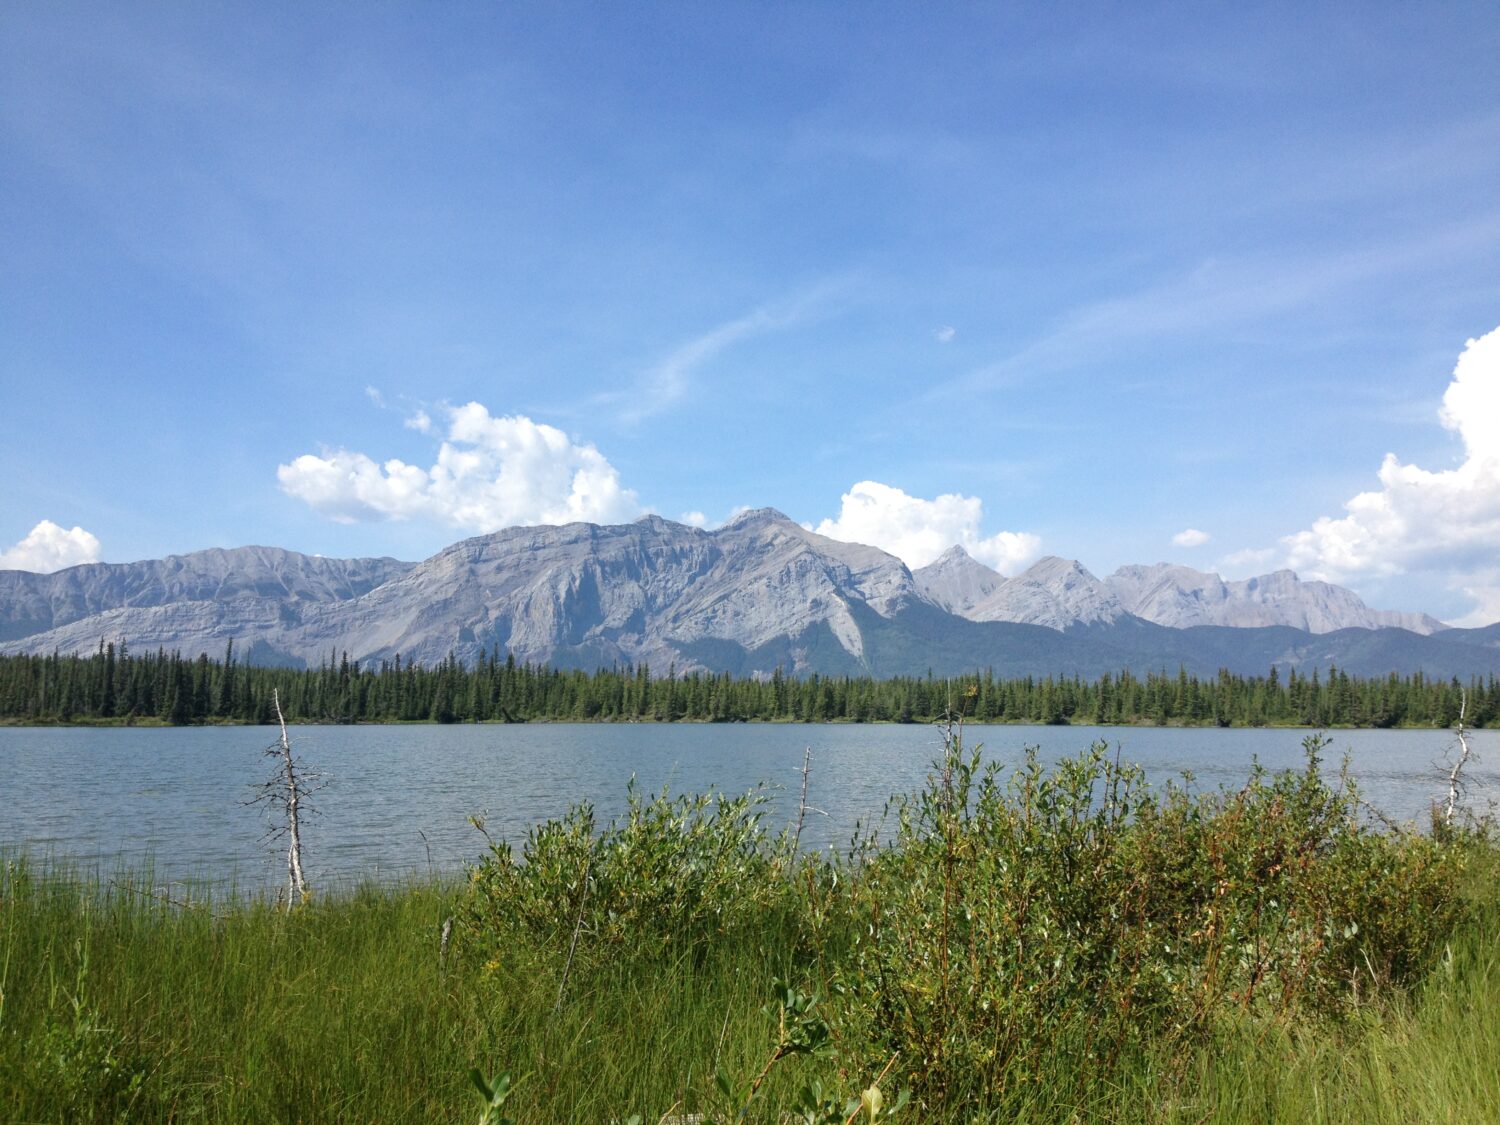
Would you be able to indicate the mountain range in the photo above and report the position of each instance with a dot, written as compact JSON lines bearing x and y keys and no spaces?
{"x":758,"y":593}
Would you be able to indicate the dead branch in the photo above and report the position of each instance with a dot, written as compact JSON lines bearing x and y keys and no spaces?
{"x":803,"y":808}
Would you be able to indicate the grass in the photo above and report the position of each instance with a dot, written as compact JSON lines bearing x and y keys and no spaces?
{"x":1428,"y":1055}
{"x":1024,"y":949}
{"x":339,"y":1011}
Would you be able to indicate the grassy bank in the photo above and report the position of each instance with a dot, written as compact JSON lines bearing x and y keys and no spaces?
{"x":1038,"y":945}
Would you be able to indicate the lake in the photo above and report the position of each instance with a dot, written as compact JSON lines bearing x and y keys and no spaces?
{"x":397,"y":798}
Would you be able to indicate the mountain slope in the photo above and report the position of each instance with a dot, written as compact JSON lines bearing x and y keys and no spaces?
{"x":957,"y":583}
{"x":1058,"y":593}
{"x":222,"y":586}
{"x":759,"y":593}
{"x":1180,"y":597}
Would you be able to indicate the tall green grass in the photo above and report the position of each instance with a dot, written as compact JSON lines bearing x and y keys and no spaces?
{"x":1038,"y":945}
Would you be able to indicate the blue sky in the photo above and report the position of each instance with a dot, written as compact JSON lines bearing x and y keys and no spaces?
{"x":1077,"y":280}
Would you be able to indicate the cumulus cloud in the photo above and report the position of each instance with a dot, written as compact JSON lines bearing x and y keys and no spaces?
{"x":945,"y":334}
{"x":490,"y":472}
{"x":1444,"y":521}
{"x":1190,"y":537}
{"x":917,"y":531}
{"x":694,"y":518}
{"x":48,"y":547}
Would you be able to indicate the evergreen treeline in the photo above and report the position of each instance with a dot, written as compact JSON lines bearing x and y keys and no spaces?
{"x":114,"y":685}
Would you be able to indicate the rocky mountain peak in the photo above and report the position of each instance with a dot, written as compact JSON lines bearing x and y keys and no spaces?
{"x":752,"y":517}
{"x":1054,"y":592}
{"x":1181,"y":597}
{"x":957,"y":582}
{"x":758,"y":593}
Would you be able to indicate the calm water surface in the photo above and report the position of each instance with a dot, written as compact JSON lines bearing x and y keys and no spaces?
{"x":398,"y":798}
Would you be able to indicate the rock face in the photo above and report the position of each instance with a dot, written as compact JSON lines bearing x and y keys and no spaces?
{"x":1060,"y":594}
{"x":652,"y":591}
{"x":1180,"y":597}
{"x":956,"y":582}
{"x":759,"y":593}
{"x":647,"y":591}
{"x":158,"y":601}
{"x":1057,"y":593}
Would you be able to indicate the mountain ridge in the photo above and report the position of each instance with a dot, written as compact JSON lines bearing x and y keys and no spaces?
{"x":757,"y":593}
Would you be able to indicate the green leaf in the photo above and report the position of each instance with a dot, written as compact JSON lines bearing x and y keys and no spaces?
{"x":484,"y":1087}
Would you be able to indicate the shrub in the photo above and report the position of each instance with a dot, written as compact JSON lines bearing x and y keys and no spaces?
{"x":1035,"y":929}
{"x":674,"y":873}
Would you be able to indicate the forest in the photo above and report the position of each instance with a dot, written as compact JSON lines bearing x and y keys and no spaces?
{"x":117,"y":686}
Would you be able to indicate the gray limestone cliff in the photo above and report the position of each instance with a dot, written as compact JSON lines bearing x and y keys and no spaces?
{"x":647,"y":591}
{"x":1180,"y":597}
{"x":759,"y":593}
{"x":957,"y":582}
{"x":1058,"y":593}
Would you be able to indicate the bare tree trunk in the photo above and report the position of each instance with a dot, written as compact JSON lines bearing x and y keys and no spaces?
{"x":803,"y":808}
{"x":802,"y":800}
{"x":298,"y":890}
{"x":1455,"y":785}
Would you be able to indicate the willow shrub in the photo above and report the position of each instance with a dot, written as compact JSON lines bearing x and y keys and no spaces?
{"x":1028,"y":937}
{"x":674,"y":874}
{"x":1042,"y":928}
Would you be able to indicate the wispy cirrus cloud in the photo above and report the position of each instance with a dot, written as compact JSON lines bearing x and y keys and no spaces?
{"x":669,"y":381}
{"x":1216,"y":295}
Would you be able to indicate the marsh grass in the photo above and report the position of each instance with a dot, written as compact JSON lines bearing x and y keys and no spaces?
{"x":1037,"y":945}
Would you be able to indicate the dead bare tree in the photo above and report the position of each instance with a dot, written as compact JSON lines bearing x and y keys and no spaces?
{"x":1455,"y":781}
{"x":803,"y":808}
{"x":287,"y":791}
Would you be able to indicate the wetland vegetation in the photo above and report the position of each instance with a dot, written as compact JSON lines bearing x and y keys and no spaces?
{"x":1033,"y":943}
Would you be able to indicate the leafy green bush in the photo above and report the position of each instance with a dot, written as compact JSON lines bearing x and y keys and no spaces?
{"x":1026,"y":933}
{"x":1034,"y":929}
{"x":673,"y":873}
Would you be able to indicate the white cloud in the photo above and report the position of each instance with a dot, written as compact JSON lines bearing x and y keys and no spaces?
{"x":945,"y":334}
{"x":694,"y":518}
{"x":374,"y":395}
{"x":420,"y":421}
{"x":1218,"y":295}
{"x":671,"y":379}
{"x":1445,"y":521}
{"x":490,"y":473}
{"x":1484,"y":587}
{"x":918,"y":531}
{"x":1191,"y":537}
{"x":48,"y":547}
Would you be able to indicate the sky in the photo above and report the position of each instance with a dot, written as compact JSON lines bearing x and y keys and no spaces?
{"x":1215,"y":285}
